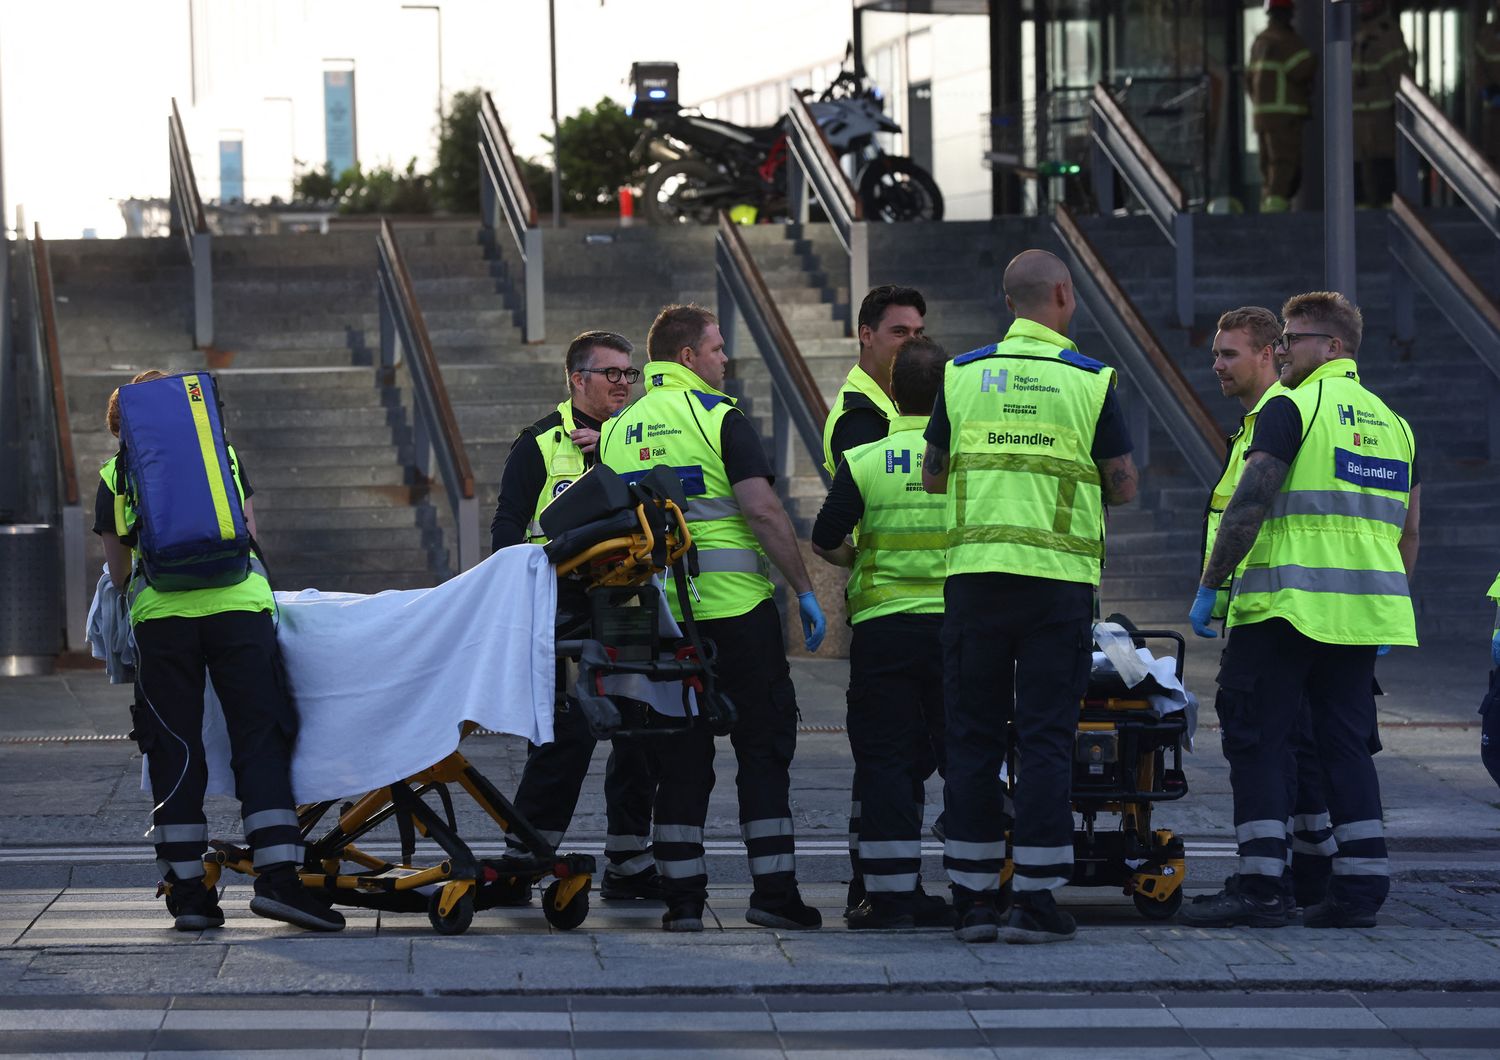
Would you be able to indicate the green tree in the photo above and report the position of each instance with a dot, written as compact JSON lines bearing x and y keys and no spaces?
{"x":455,"y":182}
{"x":383,"y":189}
{"x":593,"y":148}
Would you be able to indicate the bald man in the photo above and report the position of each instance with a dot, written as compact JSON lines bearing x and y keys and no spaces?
{"x":1031,"y":433}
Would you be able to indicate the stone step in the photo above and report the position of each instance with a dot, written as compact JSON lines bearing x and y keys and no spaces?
{"x":269,"y":474}
{"x":239,"y":419}
{"x":403,"y":517}
{"x":302,"y":548}
{"x":333,"y":497}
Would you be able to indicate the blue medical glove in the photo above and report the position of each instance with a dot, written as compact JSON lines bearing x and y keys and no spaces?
{"x":1384,"y":649}
{"x":1201,"y":613}
{"x":1495,"y":650}
{"x":814,"y":625}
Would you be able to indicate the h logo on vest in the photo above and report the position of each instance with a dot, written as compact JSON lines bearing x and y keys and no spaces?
{"x":996,"y":380}
{"x":1346,"y":415}
{"x":633,"y":434}
{"x":901,"y":460}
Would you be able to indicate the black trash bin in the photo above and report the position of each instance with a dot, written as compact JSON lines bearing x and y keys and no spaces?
{"x":31,"y":623}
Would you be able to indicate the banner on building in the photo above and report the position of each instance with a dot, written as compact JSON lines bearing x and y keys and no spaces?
{"x":338,"y":120}
{"x":231,"y":171}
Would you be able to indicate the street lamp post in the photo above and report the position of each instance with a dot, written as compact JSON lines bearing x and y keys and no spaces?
{"x":437,"y":10}
{"x":556,"y":165}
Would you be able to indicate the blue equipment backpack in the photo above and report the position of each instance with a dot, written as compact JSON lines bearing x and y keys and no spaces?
{"x":176,"y":471}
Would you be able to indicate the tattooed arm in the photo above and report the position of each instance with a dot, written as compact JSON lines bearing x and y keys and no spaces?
{"x":935,"y":470}
{"x":1259,"y":483}
{"x":1118,"y":479}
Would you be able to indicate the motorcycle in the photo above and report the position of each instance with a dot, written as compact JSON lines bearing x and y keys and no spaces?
{"x":707,"y":164}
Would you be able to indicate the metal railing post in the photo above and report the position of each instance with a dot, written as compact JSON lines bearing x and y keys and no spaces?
{"x":859,"y":265}
{"x":536,"y":312}
{"x":783,"y":458}
{"x":1403,"y":297}
{"x":75,"y":580}
{"x":1408,"y":176}
{"x":728,"y":310}
{"x":468,"y":532}
{"x":1182,"y":244}
{"x":203,"y":290}
{"x":796,"y":193}
{"x":1101,"y":170}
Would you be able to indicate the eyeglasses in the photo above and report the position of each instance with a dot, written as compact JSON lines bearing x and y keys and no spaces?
{"x":614,"y":375}
{"x":1286,"y":338}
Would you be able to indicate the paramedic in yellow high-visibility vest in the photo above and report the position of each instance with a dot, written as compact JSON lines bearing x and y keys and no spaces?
{"x":547,"y":458}
{"x":1029,"y":445}
{"x":898,"y":561}
{"x":182,"y":639}
{"x":686,"y":422}
{"x":862,"y":410}
{"x":1321,"y":537}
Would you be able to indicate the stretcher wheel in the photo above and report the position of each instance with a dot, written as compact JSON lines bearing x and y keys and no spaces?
{"x":459,"y":917}
{"x":1151,"y":909}
{"x":569,"y":916}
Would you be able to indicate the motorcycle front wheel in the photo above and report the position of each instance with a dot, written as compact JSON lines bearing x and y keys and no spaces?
{"x":675,"y":193}
{"x":893,"y":188}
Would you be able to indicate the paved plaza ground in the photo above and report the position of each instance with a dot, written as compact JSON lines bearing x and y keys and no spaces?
{"x":89,"y":963}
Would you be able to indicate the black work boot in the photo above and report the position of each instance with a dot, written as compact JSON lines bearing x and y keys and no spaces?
{"x":883,"y":912}
{"x":977,"y":917}
{"x":279,"y":895}
{"x":644,"y":885}
{"x":1035,"y":918}
{"x":683,"y":914}
{"x":786,"y":911}
{"x":1235,"y":907}
{"x":193,"y":906}
{"x":1331,"y":913}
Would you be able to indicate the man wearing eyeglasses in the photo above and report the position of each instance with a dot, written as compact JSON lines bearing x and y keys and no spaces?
{"x":546,"y":459}
{"x":1245,"y":364}
{"x":1325,"y":520}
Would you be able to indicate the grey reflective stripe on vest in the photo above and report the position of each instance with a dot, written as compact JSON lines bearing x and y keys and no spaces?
{"x":1347,"y":503}
{"x":534,"y":529}
{"x":706,"y":509}
{"x":1323,"y":580}
{"x":732,"y":561}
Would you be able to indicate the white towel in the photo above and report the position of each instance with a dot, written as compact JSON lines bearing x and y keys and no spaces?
{"x":382,"y":683}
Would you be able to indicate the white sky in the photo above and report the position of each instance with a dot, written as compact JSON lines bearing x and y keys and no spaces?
{"x":85,"y":85}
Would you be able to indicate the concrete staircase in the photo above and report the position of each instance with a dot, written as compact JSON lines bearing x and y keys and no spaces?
{"x":327,"y":446}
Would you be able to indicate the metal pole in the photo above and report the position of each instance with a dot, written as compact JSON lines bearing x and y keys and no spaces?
{"x":437,"y":10}
{"x":1338,"y":149}
{"x":556,"y":165}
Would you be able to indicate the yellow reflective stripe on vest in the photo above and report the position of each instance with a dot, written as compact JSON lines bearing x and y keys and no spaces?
{"x":903,"y":540}
{"x":862,"y":599}
{"x":205,"y":432}
{"x":1025,"y":535}
{"x":1067,"y":473}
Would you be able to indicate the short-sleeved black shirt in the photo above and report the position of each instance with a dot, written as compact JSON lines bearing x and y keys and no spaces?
{"x":743,"y":452}
{"x":859,"y":425}
{"x":104,"y":499}
{"x":842,"y":510}
{"x":1111,"y":435}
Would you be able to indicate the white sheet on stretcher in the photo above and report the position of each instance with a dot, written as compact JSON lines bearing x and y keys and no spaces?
{"x":382,"y":683}
{"x":1173,"y":697}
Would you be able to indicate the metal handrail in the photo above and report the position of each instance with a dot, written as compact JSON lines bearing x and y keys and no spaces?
{"x":435,"y":427}
{"x":53,"y":463}
{"x":815,"y":167}
{"x":190,"y":220}
{"x":1424,"y":130}
{"x":1119,"y":147}
{"x":506,"y":198}
{"x":1156,"y":376}
{"x":797,"y":401}
{"x":1420,"y":255}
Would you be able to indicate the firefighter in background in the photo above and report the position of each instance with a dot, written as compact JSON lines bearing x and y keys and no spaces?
{"x":1280,"y":85}
{"x":1380,"y":58}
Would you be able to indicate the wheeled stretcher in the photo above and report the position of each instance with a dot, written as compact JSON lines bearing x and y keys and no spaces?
{"x":611,"y":543}
{"x":1127,"y":758}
